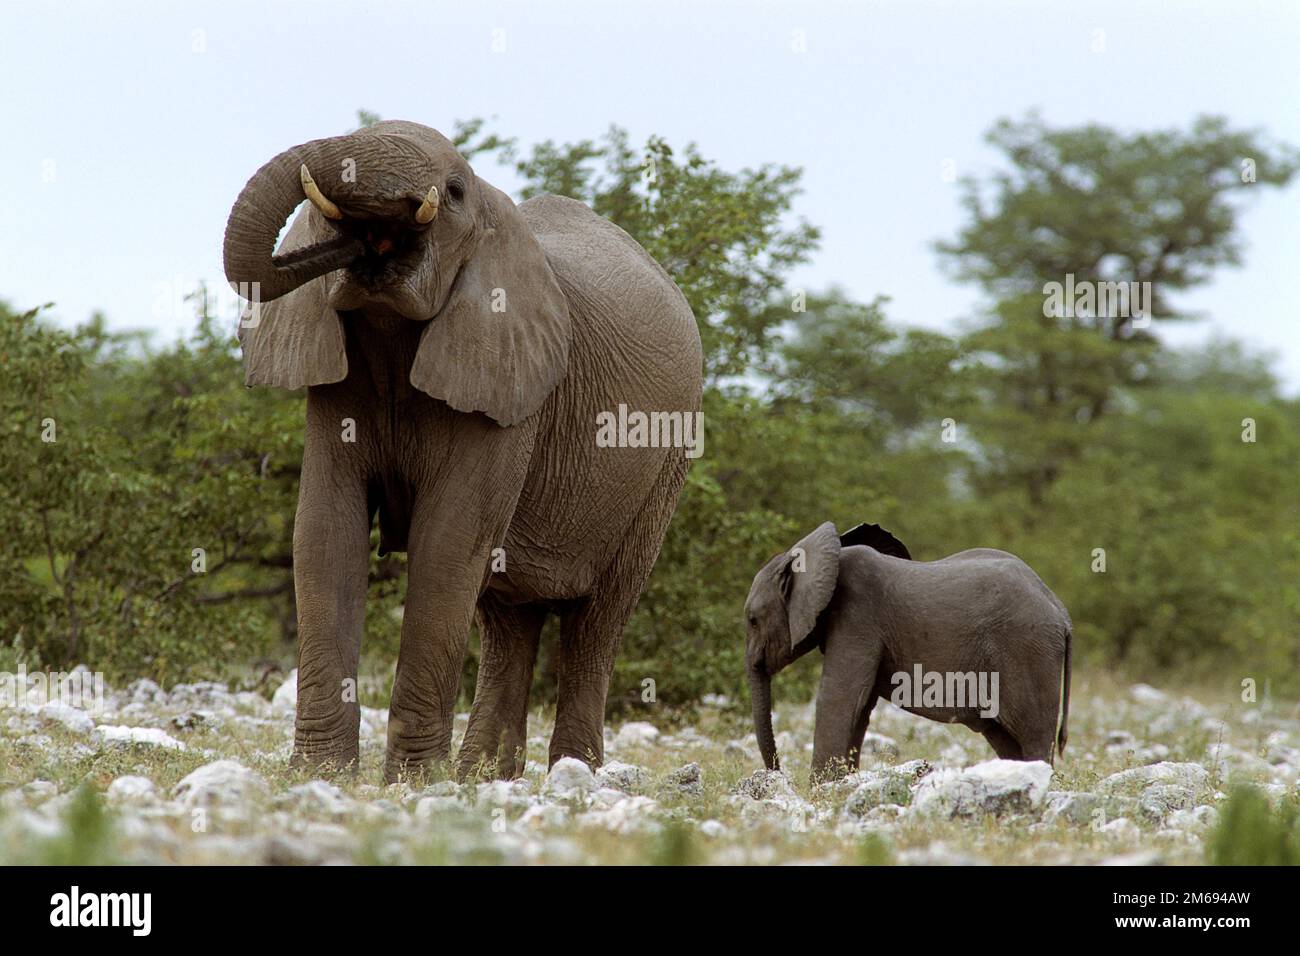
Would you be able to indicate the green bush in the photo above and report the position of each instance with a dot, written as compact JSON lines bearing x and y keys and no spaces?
{"x":1251,"y":833}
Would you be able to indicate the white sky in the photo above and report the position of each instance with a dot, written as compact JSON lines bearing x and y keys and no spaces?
{"x":151,"y":140}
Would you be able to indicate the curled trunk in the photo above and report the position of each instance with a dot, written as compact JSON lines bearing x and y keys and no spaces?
{"x":760,"y":693}
{"x":260,"y":213}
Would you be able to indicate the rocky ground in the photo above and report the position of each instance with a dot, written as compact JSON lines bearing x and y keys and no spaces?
{"x":199,"y":775}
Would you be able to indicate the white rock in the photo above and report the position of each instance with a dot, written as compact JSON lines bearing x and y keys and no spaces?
{"x":427,"y":807}
{"x":630,"y":815}
{"x":317,"y":796}
{"x":512,"y":794}
{"x":607,"y":796}
{"x":636,"y":733}
{"x":1078,"y":808}
{"x":75,"y":720}
{"x":1160,"y":799}
{"x":1121,"y":828}
{"x":995,"y":786}
{"x":1196,"y":818}
{"x":688,"y":779}
{"x":541,"y":816}
{"x":145,"y":691}
{"x":714,"y":829}
{"x":1139,"y":858}
{"x":569,"y":777}
{"x":148,"y":736}
{"x":1146,"y":694}
{"x":766,"y":785}
{"x":224,"y":782}
{"x":1191,"y":775}
{"x":255,"y":704}
{"x":285,"y":698}
{"x":131,"y":790}
{"x":914,"y":770}
{"x":876,"y":788}
{"x":621,"y":776}
{"x":38,"y":791}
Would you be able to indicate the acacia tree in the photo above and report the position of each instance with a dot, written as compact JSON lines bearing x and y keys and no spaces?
{"x":1105,"y":207}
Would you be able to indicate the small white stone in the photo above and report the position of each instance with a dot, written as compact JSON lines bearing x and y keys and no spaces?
{"x":75,"y":720}
{"x":222,"y":782}
{"x":131,"y":790}
{"x":1146,"y":694}
{"x":148,"y":736}
{"x":636,"y":733}
{"x":621,"y":776}
{"x":569,"y":777}
{"x":285,"y":698}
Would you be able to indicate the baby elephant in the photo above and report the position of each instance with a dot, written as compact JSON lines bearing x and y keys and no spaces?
{"x":975,"y":639}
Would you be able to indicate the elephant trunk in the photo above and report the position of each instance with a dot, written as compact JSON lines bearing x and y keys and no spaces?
{"x":260,"y":212}
{"x":760,"y":693}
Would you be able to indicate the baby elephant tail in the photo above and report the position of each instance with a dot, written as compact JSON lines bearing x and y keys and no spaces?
{"x":1063,"y":711}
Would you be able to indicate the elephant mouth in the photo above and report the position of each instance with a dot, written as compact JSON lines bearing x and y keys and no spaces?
{"x":388,"y":249}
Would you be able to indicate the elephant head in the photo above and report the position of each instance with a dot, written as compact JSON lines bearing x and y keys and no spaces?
{"x":397,"y":225}
{"x":781,"y":614}
{"x":783,"y":606}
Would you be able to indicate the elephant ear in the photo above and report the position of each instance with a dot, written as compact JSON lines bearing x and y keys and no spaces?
{"x":501,"y":342}
{"x":808,"y":580}
{"x":297,"y":339}
{"x":874,"y":536}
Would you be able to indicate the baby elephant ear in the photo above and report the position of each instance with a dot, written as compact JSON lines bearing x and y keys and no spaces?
{"x":810,"y":573}
{"x":501,"y":343}
{"x":874,"y":536}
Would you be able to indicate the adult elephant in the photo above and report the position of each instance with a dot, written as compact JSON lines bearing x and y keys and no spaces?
{"x":458,"y":353}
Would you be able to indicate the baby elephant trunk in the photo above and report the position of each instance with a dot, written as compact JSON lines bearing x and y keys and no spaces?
{"x":760,"y":693}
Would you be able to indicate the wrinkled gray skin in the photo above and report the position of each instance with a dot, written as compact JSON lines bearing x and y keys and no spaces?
{"x":468,"y":358}
{"x":875,"y":615}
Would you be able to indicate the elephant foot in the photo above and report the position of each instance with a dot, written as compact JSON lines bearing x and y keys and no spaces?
{"x":326,"y":762}
{"x":592,"y":758}
{"x":417,"y":773}
{"x":473,"y":766}
{"x":326,"y":744}
{"x":419,"y":760}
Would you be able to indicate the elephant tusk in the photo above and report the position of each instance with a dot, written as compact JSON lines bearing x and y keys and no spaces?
{"x":429,"y":208}
{"x":318,"y":199}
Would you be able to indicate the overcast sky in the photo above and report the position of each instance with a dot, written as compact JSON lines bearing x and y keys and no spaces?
{"x":131,"y":127}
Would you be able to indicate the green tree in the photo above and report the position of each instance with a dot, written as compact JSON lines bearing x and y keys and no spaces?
{"x":1104,"y":207}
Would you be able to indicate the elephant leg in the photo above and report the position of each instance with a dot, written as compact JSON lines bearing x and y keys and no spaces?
{"x":331,"y":556}
{"x":1004,"y":744}
{"x":444,"y":578}
{"x":1036,"y":743}
{"x":844,"y":699}
{"x":860,"y":730}
{"x":591,"y":629}
{"x":497,"y":735}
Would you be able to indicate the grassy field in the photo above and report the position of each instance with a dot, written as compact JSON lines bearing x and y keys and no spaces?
{"x":73,"y":791}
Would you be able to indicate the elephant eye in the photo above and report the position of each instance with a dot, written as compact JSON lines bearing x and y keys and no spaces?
{"x":455,"y":191}
{"x":753,"y":621}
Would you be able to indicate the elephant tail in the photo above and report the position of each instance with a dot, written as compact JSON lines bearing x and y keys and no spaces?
{"x":1063,"y":712}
